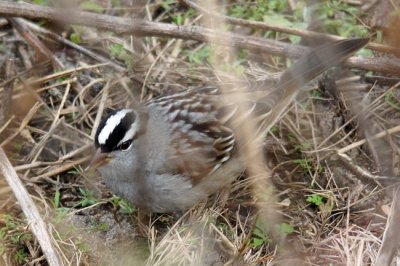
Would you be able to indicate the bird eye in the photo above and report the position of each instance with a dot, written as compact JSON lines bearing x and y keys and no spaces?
{"x":125,"y":145}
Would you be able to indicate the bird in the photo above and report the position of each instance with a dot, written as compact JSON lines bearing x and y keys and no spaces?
{"x":175,"y":150}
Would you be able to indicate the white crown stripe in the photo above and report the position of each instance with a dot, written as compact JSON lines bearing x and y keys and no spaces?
{"x":130,"y":133}
{"x":112,"y":122}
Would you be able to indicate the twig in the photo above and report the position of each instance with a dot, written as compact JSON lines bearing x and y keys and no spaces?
{"x":224,"y":239}
{"x":63,"y":74}
{"x":76,"y":152}
{"x":361,"y":112}
{"x":54,"y":136}
{"x":8,"y":90}
{"x":306,"y":34}
{"x":33,"y":41}
{"x":23,"y":124}
{"x":391,"y":239}
{"x":377,"y":136}
{"x":25,"y":56}
{"x":5,"y":125}
{"x":147,"y":28}
{"x":382,"y":80}
{"x":60,"y":169}
{"x":29,"y":166}
{"x":358,"y":170}
{"x":143,"y":90}
{"x":73,"y":213}
{"x":21,"y":74}
{"x":77,"y":47}
{"x":35,"y":152}
{"x":3,"y":22}
{"x":100,"y":110}
{"x":35,"y":221}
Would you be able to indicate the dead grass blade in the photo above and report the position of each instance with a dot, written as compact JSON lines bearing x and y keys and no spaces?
{"x":23,"y":124}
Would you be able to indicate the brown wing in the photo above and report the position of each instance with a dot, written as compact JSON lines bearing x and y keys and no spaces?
{"x":200,"y":142}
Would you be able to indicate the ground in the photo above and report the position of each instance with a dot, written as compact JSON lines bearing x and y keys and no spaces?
{"x":328,"y":209}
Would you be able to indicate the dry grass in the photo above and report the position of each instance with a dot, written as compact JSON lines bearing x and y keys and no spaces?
{"x":325,"y":212}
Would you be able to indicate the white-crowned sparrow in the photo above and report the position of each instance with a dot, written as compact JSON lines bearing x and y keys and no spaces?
{"x":175,"y":150}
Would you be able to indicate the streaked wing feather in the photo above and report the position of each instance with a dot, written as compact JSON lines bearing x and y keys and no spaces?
{"x":200,"y":141}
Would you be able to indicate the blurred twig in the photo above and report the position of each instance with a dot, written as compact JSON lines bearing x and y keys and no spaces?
{"x":6,"y":123}
{"x":100,"y":110}
{"x":25,"y":56}
{"x":23,"y":124}
{"x":8,"y":90}
{"x":35,"y":221}
{"x":3,"y":22}
{"x":33,"y":41}
{"x":147,"y":28}
{"x":79,"y":48}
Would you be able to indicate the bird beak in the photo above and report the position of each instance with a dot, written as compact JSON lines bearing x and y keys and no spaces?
{"x":99,"y":159}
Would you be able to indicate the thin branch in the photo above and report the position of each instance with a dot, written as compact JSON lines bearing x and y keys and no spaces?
{"x":147,"y":28}
{"x":306,"y":34}
{"x":35,"y":221}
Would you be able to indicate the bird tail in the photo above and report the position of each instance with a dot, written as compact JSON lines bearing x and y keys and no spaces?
{"x":300,"y":73}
